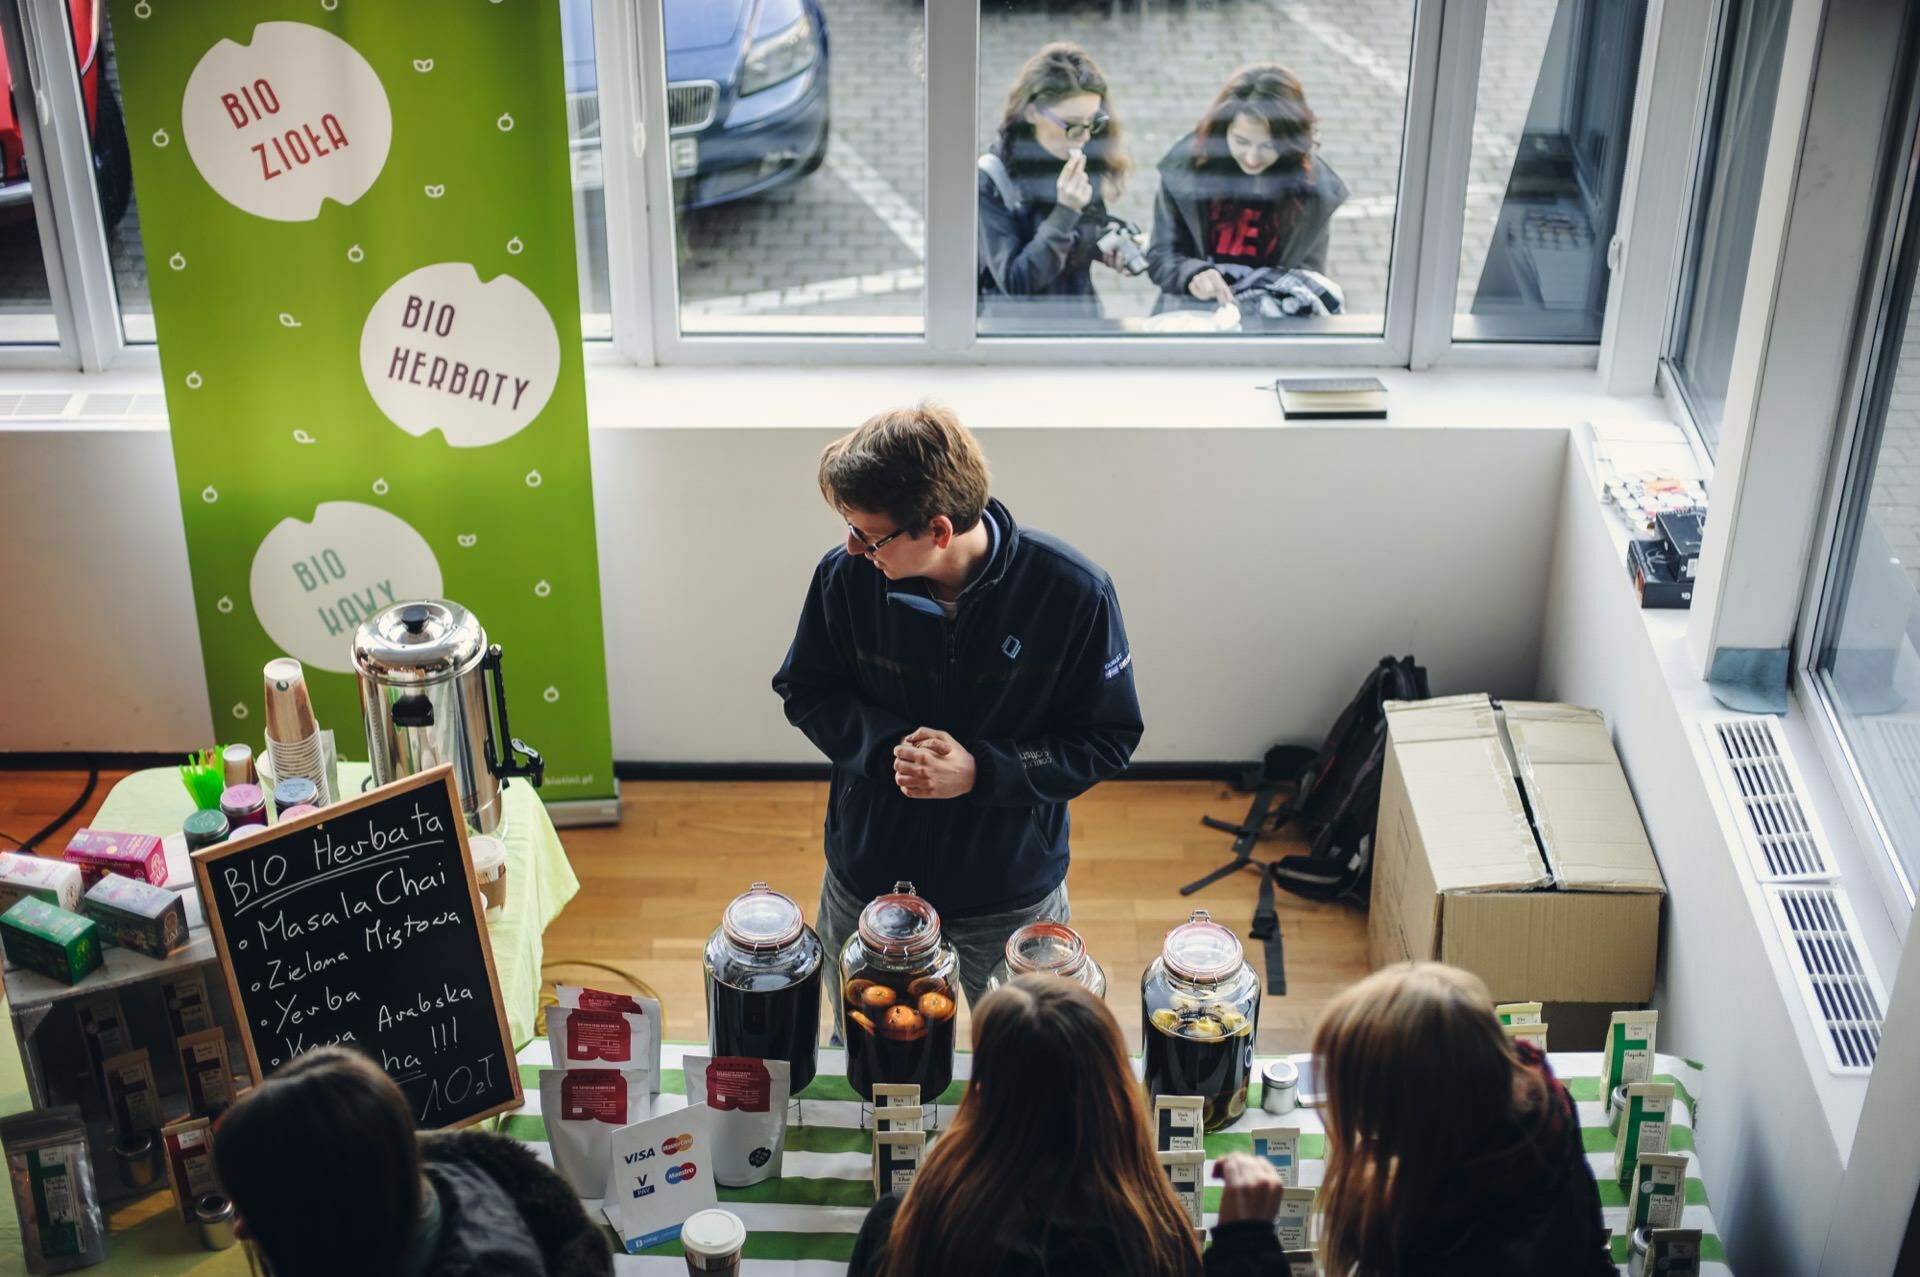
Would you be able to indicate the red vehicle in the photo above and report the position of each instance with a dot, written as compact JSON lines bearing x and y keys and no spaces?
{"x":112,"y":165}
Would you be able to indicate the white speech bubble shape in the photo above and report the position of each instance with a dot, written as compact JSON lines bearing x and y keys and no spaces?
{"x":313,"y":583}
{"x":284,"y":124}
{"x":442,"y":351}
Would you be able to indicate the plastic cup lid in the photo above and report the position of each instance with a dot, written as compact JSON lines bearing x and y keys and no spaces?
{"x":713,"y":1233}
{"x":487,"y":850}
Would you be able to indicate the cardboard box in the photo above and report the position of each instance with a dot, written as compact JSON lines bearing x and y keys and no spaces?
{"x":137,"y":915}
{"x":1509,"y":844}
{"x":99,"y":853}
{"x":1656,"y":577}
{"x":55,"y":942}
{"x":54,"y":881}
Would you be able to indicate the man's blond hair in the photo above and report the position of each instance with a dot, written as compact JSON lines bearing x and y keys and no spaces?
{"x":910,"y":464}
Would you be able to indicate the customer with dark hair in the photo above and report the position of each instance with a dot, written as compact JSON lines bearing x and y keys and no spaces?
{"x":328,"y":1177}
{"x":1049,"y":1166}
{"x":1451,"y":1152}
{"x":967,"y":678}
{"x":1244,"y":191}
{"x":1043,"y":185}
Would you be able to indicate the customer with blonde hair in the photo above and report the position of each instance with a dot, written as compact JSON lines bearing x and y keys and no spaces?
{"x":1450,"y":1150}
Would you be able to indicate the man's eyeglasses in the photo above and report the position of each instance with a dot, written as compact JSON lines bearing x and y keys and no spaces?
{"x":1077,"y":130}
{"x":874,"y":547}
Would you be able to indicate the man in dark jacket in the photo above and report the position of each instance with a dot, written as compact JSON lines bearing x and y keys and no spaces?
{"x":965,"y":676}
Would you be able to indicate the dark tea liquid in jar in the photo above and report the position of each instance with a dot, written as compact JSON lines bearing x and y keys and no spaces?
{"x":900,"y":984}
{"x":1200,"y":1004}
{"x":763,"y":983}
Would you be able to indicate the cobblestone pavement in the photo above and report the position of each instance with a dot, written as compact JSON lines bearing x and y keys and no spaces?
{"x":849,"y":241}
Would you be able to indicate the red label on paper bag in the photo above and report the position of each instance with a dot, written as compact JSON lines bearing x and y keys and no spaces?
{"x":740,"y":1083}
{"x":594,"y":1095}
{"x":598,"y":1035}
{"x":601,"y":1000}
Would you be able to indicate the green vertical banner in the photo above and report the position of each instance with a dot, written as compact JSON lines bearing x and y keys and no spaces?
{"x":358,"y":224}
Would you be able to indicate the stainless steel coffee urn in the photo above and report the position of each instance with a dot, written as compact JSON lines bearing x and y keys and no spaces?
{"x":423,"y":670}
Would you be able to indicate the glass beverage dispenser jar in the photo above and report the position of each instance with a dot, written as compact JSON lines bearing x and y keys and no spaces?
{"x":1199,"y":1004}
{"x":1051,"y":948}
{"x":763,"y":983}
{"x":899,"y":980}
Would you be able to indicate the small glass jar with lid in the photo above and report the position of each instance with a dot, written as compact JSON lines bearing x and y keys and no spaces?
{"x":763,"y":983}
{"x":1200,"y":1004}
{"x":1049,"y":948}
{"x":899,"y":979}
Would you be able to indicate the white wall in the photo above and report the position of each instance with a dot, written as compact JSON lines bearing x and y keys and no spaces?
{"x":1771,"y":1158}
{"x":1262,"y":567}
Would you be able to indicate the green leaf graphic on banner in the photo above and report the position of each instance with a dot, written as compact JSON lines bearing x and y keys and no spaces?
{"x":358,"y":220}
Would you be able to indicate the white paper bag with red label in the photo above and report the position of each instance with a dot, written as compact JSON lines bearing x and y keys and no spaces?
{"x":647,"y":1009}
{"x":582,"y":1108}
{"x":583,"y":1039}
{"x":749,"y":1102}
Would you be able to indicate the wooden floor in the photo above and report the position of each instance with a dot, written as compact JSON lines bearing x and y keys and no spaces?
{"x":652,"y":888}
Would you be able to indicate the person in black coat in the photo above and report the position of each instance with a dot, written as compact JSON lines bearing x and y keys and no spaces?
{"x":1048,"y":1169}
{"x":1451,"y":1152}
{"x":1042,"y":188}
{"x":327,"y":1176}
{"x":1244,"y":189}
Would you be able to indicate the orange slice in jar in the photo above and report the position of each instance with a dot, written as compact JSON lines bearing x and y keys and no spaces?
{"x":877,"y":997}
{"x":861,"y":1020}
{"x":936,"y":1006}
{"x":903,"y":1023}
{"x":855,"y":988}
{"x":926,"y":984}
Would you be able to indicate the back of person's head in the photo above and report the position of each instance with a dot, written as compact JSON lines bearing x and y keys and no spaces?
{"x":1417,"y":1074}
{"x":1052,"y":1132}
{"x":323,"y":1167}
{"x":910,"y":464}
{"x":1059,"y":71}
{"x":1271,"y":94}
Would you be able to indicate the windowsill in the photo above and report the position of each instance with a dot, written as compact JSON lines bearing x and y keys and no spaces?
{"x":1841,"y":1097}
{"x":624,"y":396}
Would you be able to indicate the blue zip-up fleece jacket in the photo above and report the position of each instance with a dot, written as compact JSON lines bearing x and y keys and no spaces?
{"x":1033,"y":676}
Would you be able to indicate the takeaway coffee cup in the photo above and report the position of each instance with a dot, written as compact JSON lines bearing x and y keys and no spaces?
{"x":713,"y":1240}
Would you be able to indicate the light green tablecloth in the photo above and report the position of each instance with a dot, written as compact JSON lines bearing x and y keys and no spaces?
{"x":148,"y":1236}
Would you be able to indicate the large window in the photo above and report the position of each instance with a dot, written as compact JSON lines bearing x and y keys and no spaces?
{"x":1720,"y":240}
{"x":1200,"y":169}
{"x":1866,"y":668}
{"x":1549,"y":155}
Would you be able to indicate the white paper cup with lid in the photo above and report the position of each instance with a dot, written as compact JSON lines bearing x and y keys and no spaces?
{"x":490,"y":869}
{"x":713,"y":1240}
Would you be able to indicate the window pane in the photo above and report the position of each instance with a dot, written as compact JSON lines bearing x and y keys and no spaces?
{"x":589,"y":187}
{"x":1279,"y":200}
{"x":113,"y":176}
{"x":1549,"y":152}
{"x":26,"y":303}
{"x":1720,"y":241}
{"x":1869,"y":637}
{"x":798,"y":149}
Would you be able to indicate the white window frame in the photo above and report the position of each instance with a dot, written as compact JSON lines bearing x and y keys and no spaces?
{"x":1443,"y":77}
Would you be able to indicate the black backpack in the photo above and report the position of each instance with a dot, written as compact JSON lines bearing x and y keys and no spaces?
{"x":1334,"y":807}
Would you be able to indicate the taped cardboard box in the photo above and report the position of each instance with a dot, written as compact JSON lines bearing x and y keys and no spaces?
{"x":1509,"y":844}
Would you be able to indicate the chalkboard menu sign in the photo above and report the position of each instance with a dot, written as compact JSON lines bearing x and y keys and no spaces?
{"x":360,"y":924}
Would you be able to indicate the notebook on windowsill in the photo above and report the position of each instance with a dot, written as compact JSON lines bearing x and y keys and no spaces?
{"x":1331,"y":398}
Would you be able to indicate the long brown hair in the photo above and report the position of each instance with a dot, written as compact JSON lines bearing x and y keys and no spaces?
{"x":323,"y":1167}
{"x":1271,"y":94}
{"x":1053,"y":1127}
{"x":1061,"y":70}
{"x":1417,"y":1072}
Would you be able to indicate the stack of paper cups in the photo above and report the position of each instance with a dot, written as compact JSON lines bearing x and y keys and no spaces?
{"x":293,"y":734}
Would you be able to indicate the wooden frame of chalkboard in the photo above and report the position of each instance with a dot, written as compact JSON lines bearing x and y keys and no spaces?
{"x":314,"y":995}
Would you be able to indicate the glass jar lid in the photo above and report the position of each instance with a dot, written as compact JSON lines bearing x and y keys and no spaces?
{"x":762,"y":919}
{"x":1049,"y":947}
{"x":899,"y":924}
{"x":1201,"y":949}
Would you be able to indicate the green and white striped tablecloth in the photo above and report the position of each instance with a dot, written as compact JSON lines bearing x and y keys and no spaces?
{"x":802,"y":1223}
